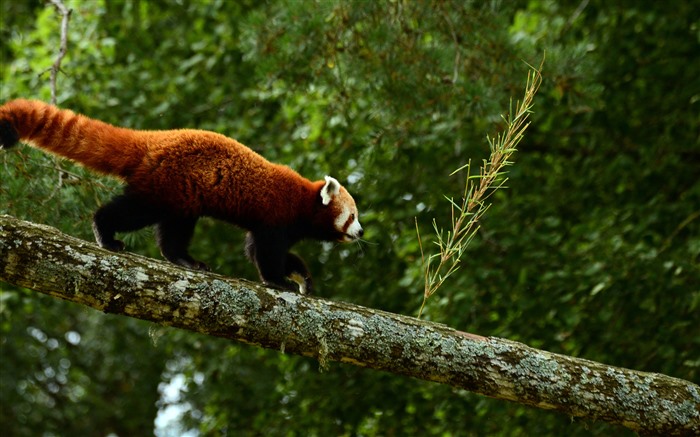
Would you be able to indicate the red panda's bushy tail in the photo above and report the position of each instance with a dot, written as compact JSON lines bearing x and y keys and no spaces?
{"x":92,"y":143}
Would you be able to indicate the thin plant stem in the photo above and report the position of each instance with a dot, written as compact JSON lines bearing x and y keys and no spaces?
{"x":465,"y":216}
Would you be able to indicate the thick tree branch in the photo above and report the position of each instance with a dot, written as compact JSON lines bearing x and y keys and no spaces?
{"x":43,"y":259}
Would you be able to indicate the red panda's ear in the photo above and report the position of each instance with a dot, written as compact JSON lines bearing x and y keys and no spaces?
{"x":329,"y":190}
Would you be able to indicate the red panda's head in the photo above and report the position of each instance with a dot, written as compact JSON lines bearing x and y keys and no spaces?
{"x":337,"y":215}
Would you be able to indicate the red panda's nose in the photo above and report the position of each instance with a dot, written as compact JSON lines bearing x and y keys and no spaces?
{"x":360,"y":233}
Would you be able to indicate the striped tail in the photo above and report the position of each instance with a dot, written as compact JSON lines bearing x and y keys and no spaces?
{"x":92,"y":143}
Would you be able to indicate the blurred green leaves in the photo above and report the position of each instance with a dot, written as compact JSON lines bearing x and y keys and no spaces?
{"x":592,"y":251}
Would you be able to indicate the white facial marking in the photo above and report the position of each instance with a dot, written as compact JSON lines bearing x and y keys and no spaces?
{"x":349,"y":224}
{"x":342,"y":219}
{"x":355,"y":228}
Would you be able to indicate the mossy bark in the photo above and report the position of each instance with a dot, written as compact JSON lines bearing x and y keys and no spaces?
{"x":43,"y":259}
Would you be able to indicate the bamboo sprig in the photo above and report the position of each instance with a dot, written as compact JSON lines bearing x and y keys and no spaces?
{"x":465,"y":215}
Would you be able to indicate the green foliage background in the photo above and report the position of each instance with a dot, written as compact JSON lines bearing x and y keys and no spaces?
{"x":592,"y":251}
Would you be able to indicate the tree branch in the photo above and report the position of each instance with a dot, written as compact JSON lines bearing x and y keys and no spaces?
{"x":56,"y":67}
{"x":43,"y":259}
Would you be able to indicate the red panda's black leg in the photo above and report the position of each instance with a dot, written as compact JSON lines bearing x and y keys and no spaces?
{"x":268,"y":250}
{"x":295,"y":269}
{"x":173,"y":235}
{"x":124,"y":213}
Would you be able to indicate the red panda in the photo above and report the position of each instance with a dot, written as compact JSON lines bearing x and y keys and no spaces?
{"x":175,"y":176}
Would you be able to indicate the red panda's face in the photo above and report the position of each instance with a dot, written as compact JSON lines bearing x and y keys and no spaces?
{"x":347,"y":222}
{"x":342,"y":208}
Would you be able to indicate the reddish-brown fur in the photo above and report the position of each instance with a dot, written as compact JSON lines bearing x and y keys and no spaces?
{"x":175,"y":176}
{"x":196,"y":172}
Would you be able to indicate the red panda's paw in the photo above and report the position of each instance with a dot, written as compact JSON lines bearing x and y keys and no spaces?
{"x":114,"y":245}
{"x":192,"y":264}
{"x":304,"y":287}
{"x":307,"y":288}
{"x":287,"y":286}
{"x":301,"y":284}
{"x":199,"y":265}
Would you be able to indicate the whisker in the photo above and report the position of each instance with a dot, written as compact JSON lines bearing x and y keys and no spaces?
{"x":359,"y":245}
{"x":361,"y":240}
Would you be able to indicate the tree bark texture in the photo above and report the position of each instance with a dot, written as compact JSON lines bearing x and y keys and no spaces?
{"x":43,"y":259}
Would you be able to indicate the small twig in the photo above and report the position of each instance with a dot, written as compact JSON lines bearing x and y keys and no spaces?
{"x":70,"y":174}
{"x":574,"y":16}
{"x":455,"y":39}
{"x":465,"y":216}
{"x":56,"y":67}
{"x":667,"y":242}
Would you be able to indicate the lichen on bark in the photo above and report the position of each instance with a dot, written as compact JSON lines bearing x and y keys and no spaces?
{"x":45,"y":260}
